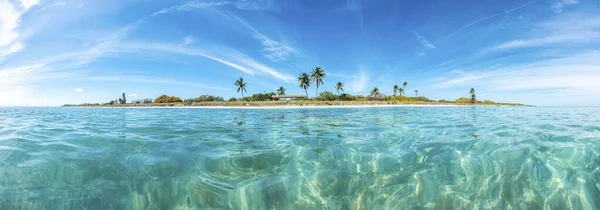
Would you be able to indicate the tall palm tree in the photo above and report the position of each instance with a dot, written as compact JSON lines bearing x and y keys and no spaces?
{"x":241,"y":86}
{"x":396,"y":89}
{"x":281,"y":91}
{"x":416,"y":93}
{"x":401,"y":91}
{"x":304,"y":81}
{"x":473,"y":96}
{"x":317,"y":75}
{"x":405,"y":84}
{"x":375,"y":92}
{"x":339,"y":87}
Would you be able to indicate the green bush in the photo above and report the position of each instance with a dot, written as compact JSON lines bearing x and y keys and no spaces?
{"x":488,"y":102}
{"x":347,"y":97}
{"x":233,"y":99}
{"x":167,"y":99}
{"x":463,"y":100}
{"x":204,"y":98}
{"x":327,"y":96}
{"x":262,"y":97}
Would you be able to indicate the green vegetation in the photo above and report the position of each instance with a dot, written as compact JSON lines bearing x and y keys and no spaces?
{"x":317,"y":75}
{"x":339,"y":87}
{"x":305,"y":80}
{"x":167,"y":99}
{"x":204,"y":98}
{"x":473,"y":96}
{"x":281,"y":91}
{"x":123,"y":99}
{"x":375,"y":93}
{"x":241,"y":85}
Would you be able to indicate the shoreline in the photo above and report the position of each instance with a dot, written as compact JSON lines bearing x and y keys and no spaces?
{"x":293,"y":106}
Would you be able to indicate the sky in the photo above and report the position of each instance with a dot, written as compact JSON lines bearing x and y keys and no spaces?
{"x":540,"y":52}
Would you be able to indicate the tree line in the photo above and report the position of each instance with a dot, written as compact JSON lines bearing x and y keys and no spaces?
{"x":316,"y":77}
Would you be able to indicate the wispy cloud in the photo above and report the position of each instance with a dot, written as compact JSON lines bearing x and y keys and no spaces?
{"x":188,"y":40}
{"x":152,"y":80}
{"x":359,"y":83}
{"x":55,"y":4}
{"x":190,"y":6}
{"x":423,"y":41}
{"x":133,"y":95}
{"x":570,"y":75}
{"x":560,"y":4}
{"x":488,"y":17}
{"x":573,"y":29}
{"x":274,"y":50}
{"x":10,"y":19}
{"x":79,"y":90}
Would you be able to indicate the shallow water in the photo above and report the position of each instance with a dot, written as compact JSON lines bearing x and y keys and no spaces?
{"x":325,"y":158}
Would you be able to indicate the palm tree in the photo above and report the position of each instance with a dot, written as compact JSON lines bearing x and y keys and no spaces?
{"x":375,"y":92}
{"x":405,"y":84}
{"x":396,"y":88}
{"x":304,"y":81}
{"x":416,"y":93}
{"x":317,"y":75}
{"x":401,"y":91}
{"x":241,"y":86}
{"x":281,"y":91}
{"x":339,"y":87}
{"x":473,"y":96}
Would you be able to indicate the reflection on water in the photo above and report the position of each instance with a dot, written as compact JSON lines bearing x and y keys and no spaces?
{"x":364,"y":158}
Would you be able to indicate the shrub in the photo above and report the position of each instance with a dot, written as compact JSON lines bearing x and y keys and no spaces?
{"x":488,"y":102}
{"x":233,"y":99}
{"x":399,"y":98}
{"x":347,"y":97}
{"x":463,"y":100}
{"x":262,"y":97}
{"x":327,"y":96}
{"x":204,"y":98}
{"x":167,"y":99}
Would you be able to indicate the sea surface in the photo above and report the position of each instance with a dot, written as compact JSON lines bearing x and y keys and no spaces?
{"x":317,"y":158}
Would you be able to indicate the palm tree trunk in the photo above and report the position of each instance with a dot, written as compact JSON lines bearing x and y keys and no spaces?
{"x":317,"y":94}
{"x":305,"y":91}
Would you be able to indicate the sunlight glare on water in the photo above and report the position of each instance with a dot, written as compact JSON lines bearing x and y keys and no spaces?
{"x":324,"y":158}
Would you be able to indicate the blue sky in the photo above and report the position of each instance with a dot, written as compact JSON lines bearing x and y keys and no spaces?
{"x":544,"y":52}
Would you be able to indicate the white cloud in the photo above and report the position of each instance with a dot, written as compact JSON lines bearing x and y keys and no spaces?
{"x":79,"y":90}
{"x":560,"y":4}
{"x":231,"y":58}
{"x":423,"y":41}
{"x":10,"y":20}
{"x":574,"y":29}
{"x":188,"y":40}
{"x":189,"y":6}
{"x":274,"y":50}
{"x":133,"y":95}
{"x":541,"y":82}
{"x":151,"y":80}
{"x":491,"y":16}
{"x":359,"y":83}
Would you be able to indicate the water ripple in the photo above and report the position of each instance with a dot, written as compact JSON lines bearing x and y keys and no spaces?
{"x":351,"y":158}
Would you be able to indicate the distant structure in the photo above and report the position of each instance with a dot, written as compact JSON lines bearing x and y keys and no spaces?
{"x":141,"y":101}
{"x":288,"y":96}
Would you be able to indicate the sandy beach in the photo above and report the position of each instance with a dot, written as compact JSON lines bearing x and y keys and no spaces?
{"x":282,"y":107}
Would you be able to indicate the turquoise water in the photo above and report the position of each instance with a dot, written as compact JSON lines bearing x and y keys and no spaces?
{"x":326,"y":158}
